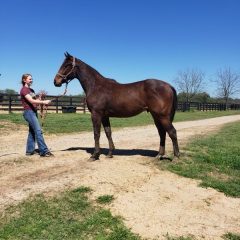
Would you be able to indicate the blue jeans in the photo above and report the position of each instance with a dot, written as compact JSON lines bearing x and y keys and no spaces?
{"x":34,"y":134}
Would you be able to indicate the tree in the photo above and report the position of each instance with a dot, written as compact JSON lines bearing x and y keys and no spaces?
{"x":227,"y":83}
{"x":202,"y":97}
{"x":189,"y":83}
{"x":8,"y":91}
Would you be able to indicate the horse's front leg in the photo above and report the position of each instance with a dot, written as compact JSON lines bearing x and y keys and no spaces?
{"x":108,"y":132}
{"x":96,"y":121}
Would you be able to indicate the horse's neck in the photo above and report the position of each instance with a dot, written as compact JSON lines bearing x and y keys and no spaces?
{"x":87,"y":76}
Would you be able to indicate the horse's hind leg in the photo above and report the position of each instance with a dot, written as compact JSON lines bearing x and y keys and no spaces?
{"x":162,"y":134}
{"x":166,"y":123}
{"x":108,"y":132}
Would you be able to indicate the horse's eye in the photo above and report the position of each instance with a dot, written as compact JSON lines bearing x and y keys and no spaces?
{"x":66,"y":66}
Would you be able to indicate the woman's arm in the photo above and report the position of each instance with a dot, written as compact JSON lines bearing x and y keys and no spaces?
{"x":37,"y":101}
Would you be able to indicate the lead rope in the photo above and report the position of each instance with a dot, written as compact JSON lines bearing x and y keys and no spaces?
{"x":44,"y":107}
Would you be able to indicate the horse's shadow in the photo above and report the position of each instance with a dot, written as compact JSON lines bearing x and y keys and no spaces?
{"x":118,"y":152}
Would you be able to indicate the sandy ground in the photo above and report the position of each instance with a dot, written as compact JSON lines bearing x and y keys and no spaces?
{"x":152,"y":202}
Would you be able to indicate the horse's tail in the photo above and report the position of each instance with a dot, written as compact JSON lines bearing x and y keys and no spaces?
{"x":174,"y":104}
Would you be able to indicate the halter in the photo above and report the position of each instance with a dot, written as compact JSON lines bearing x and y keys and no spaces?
{"x":65,"y":76}
{"x":43,"y":107}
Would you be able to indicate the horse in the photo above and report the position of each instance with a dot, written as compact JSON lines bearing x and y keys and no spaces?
{"x":107,"y":98}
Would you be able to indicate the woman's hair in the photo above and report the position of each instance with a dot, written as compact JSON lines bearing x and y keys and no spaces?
{"x":24,"y":77}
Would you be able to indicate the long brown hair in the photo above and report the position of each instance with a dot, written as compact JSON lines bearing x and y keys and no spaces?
{"x":24,"y":77}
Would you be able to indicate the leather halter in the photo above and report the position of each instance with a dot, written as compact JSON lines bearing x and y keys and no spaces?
{"x":65,"y":76}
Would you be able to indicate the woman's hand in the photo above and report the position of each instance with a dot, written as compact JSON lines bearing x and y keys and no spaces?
{"x":46,"y":102}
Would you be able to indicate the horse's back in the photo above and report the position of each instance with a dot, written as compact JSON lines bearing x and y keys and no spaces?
{"x":156,"y":84}
{"x":145,"y":90}
{"x":147,"y":84}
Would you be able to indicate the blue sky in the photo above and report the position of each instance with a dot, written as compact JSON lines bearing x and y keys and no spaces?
{"x":127,"y":40}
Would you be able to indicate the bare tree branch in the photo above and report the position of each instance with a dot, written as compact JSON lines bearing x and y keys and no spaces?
{"x":190,"y":82}
{"x":227,"y":83}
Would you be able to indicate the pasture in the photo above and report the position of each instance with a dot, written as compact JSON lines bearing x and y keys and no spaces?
{"x":72,"y":123}
{"x":132,"y":196}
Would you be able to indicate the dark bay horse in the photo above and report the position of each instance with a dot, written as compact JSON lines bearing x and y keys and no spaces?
{"x":107,"y":98}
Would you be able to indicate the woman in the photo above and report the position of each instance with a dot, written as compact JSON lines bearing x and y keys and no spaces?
{"x":29,"y":103}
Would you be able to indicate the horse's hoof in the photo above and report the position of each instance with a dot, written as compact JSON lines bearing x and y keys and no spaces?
{"x":161,"y":157}
{"x":178,"y":156}
{"x":93,"y":159}
{"x":158,"y":157}
{"x":176,"y":159}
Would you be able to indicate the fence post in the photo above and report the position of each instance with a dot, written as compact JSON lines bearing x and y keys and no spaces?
{"x":184,"y":106}
{"x":198,"y":106}
{"x":180,"y":108}
{"x":84,"y":105}
{"x":10,"y":104}
{"x":57,"y":105}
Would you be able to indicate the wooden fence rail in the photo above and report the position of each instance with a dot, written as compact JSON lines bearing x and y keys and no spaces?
{"x":184,"y":106}
{"x":12,"y":103}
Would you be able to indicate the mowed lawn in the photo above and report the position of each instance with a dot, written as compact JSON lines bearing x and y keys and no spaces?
{"x":74,"y":122}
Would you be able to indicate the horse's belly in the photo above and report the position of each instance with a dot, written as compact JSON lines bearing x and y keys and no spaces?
{"x":123,"y":113}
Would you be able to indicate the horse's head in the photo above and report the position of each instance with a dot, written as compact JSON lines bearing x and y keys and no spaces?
{"x":66,"y":72}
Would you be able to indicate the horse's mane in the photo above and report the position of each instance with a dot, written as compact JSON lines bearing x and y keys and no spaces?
{"x":95,"y":72}
{"x":112,"y":80}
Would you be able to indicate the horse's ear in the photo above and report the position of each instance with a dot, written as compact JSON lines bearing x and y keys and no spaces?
{"x":67,"y":54}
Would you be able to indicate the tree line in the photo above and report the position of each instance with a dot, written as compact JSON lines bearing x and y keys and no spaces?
{"x":191,"y":82}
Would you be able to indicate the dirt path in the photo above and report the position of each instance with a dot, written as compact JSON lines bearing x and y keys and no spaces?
{"x":153,"y":202}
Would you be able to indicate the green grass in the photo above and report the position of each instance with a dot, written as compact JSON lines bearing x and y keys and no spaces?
{"x":179,"y":238}
{"x":214,"y":159}
{"x":71,"y":123}
{"x":231,"y":236}
{"x":197,"y":115}
{"x":105,"y":199}
{"x":16,"y":118}
{"x":69,"y":216}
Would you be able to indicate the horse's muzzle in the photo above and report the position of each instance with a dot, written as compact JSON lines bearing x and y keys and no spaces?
{"x":56,"y":84}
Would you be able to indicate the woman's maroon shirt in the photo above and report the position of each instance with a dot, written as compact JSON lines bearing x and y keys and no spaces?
{"x":25,"y":103}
